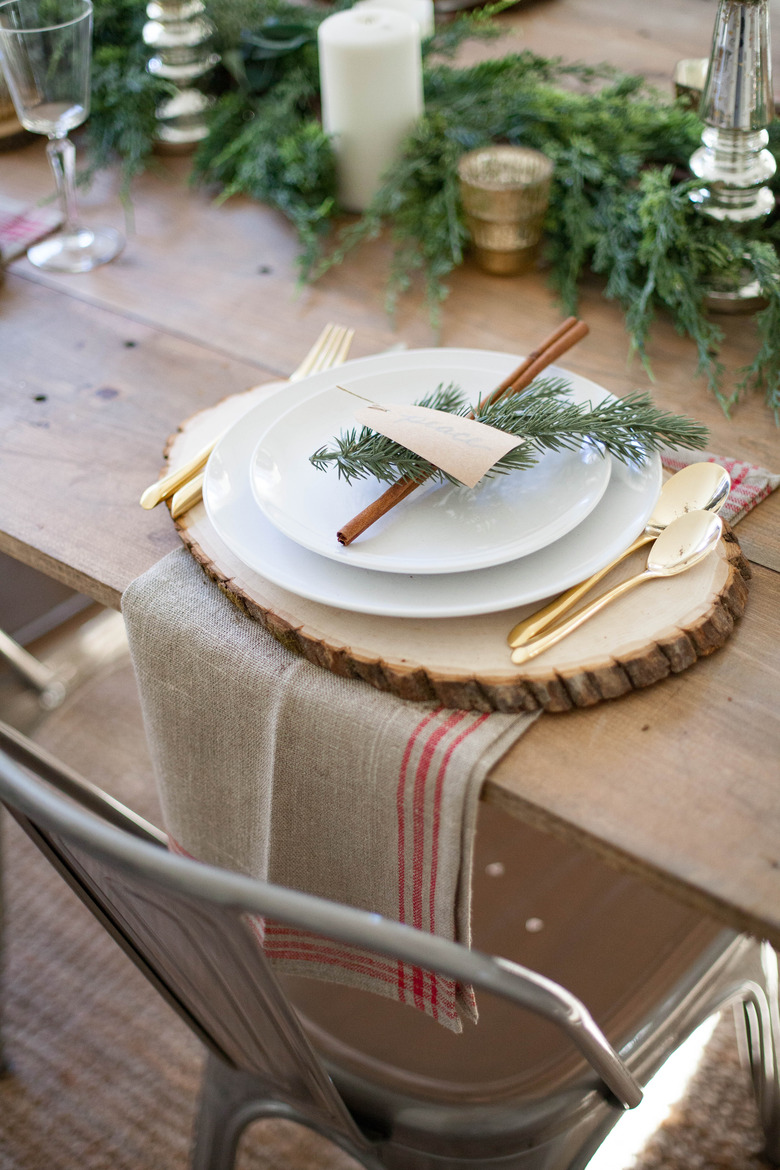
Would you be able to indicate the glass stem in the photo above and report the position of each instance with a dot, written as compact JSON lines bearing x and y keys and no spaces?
{"x":62,"y":156}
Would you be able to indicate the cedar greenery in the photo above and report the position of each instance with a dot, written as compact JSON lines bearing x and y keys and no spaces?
{"x":620,"y":200}
{"x":124,"y":96}
{"x":543,"y":416}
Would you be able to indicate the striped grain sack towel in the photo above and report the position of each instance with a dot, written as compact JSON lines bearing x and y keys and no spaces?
{"x":276,"y":768}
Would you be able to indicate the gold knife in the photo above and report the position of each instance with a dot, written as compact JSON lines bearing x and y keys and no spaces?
{"x":187,"y":496}
{"x":330,"y":349}
{"x":165,"y":487}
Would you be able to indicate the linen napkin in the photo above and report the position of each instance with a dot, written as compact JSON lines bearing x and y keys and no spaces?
{"x":272,"y":766}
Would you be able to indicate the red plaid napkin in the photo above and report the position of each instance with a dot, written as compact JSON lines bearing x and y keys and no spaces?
{"x":749,"y":484}
{"x":22,"y":225}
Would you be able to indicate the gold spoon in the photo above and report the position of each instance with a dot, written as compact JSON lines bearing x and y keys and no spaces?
{"x":681,"y":545}
{"x":700,"y":485}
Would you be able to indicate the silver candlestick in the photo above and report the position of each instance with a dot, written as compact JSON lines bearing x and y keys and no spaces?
{"x":733,"y":162}
{"x":179,"y":36}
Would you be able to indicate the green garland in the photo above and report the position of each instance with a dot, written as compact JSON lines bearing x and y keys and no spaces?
{"x":619,"y":203}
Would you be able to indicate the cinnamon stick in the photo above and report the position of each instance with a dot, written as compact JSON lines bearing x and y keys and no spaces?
{"x":560,"y":340}
{"x":515,"y":377}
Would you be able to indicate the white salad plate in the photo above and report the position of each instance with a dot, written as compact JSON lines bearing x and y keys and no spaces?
{"x":442,"y":527}
{"x":231,"y":507}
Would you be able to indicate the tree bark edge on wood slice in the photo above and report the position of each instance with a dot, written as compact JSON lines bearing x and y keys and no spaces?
{"x":554,"y":691}
{"x":394,"y":662}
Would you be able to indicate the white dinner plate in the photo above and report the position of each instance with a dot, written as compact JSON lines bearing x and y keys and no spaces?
{"x":442,"y":528}
{"x":619,"y":516}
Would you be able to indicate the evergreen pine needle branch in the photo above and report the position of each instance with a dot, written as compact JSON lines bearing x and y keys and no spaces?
{"x":764,"y":371}
{"x":543,"y":417}
{"x":628,"y":427}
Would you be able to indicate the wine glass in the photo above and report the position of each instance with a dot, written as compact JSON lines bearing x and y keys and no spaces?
{"x":45,"y":53}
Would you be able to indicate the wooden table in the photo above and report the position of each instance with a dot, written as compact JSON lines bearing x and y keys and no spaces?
{"x":680,"y":782}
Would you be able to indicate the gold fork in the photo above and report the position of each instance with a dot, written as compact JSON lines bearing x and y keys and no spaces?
{"x":185,"y":484}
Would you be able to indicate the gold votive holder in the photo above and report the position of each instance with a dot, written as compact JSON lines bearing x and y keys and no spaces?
{"x":690,"y":76}
{"x":505,"y":191}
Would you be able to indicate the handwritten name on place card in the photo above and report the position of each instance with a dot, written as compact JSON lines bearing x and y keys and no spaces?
{"x":462,"y":447}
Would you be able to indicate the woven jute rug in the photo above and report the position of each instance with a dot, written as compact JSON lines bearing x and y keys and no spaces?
{"x":104,"y":1075}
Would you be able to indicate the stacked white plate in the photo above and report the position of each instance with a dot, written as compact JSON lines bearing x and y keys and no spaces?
{"x":445,"y":551}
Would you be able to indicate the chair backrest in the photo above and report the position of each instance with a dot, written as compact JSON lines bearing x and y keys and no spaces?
{"x":199,"y":951}
{"x":188,"y":927}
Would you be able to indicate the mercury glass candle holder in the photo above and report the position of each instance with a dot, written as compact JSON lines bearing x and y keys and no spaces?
{"x":733,"y":161}
{"x":180,"y":35}
{"x":505,"y":191}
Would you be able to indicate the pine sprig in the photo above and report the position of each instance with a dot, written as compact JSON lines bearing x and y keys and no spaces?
{"x":543,"y":416}
{"x":269,"y":147}
{"x":764,"y":371}
{"x":123,"y":121}
{"x":659,"y":251}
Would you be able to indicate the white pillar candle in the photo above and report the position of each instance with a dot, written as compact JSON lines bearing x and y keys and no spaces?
{"x":421,"y":10}
{"x":371,"y":87}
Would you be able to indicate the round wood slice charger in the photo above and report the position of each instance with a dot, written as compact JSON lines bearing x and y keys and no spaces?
{"x":660,"y":628}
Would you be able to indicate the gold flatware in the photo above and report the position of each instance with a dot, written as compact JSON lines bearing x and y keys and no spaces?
{"x":702,"y":486}
{"x":165,"y":487}
{"x":330,"y":349}
{"x":188,"y":495}
{"x":682,"y":544}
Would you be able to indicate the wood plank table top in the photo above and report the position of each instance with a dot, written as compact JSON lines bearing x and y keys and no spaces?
{"x":680,"y":782}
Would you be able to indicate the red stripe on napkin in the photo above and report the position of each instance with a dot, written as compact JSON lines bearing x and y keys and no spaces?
{"x":283,"y":943}
{"x":360,"y":962}
{"x":400,"y":814}
{"x":279,"y":941}
{"x":419,"y":818}
{"x":419,"y":827}
{"x":428,"y":756}
{"x":440,"y":984}
{"x":420,"y":786}
{"x":286,"y":939}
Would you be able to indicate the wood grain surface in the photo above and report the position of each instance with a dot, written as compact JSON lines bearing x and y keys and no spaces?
{"x":679,"y":780}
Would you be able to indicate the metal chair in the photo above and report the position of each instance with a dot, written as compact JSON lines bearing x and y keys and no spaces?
{"x":185,"y":927}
